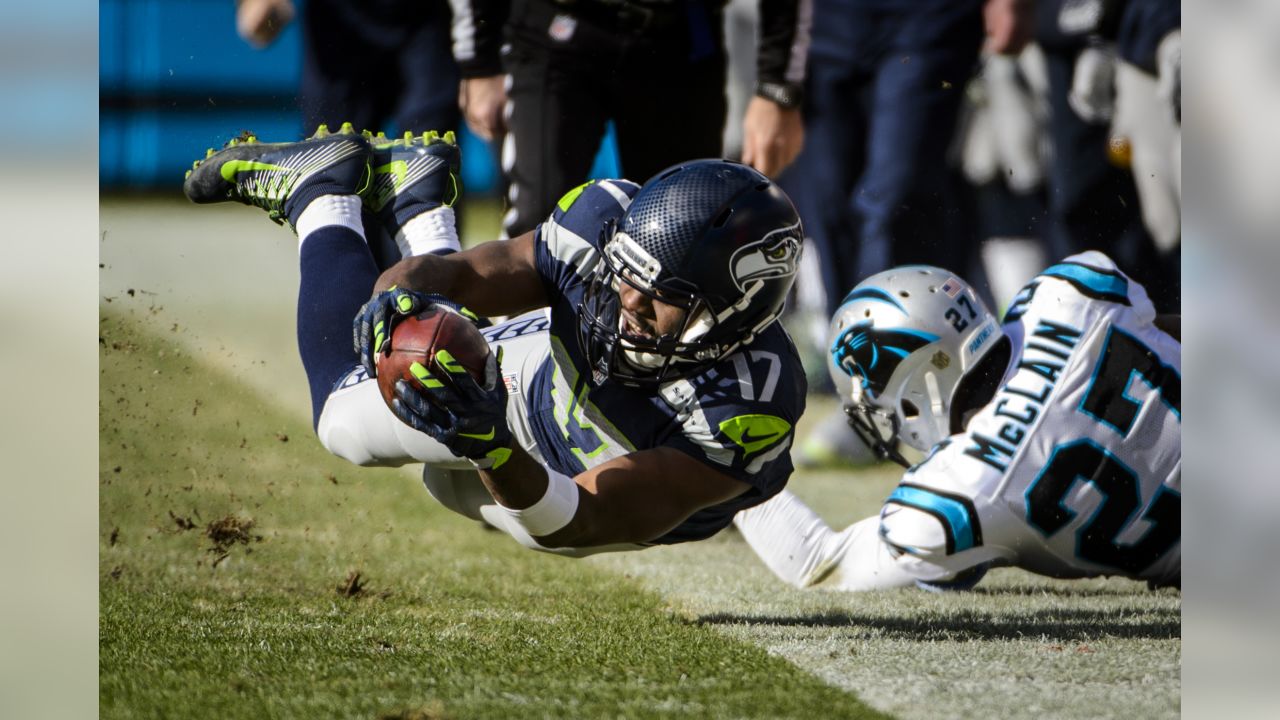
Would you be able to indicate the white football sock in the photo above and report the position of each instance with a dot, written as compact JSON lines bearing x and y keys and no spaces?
{"x":328,"y":210}
{"x":430,"y":232}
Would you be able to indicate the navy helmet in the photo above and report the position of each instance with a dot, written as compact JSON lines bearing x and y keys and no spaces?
{"x":715,"y":238}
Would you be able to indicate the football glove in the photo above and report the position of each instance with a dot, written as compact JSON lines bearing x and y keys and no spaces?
{"x":371,"y":331}
{"x":1169,"y":72}
{"x":448,"y":404}
{"x":1093,"y":85}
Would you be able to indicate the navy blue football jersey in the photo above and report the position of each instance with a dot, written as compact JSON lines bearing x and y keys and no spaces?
{"x":738,"y":416}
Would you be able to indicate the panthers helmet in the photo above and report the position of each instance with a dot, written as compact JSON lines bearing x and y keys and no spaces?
{"x":712,"y":237}
{"x":901,"y":343}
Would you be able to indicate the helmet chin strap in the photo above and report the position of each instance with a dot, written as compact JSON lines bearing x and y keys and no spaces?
{"x":939,"y":413}
{"x":697,"y":326}
{"x":937,"y":403}
{"x":742,"y":304}
{"x":752,"y":333}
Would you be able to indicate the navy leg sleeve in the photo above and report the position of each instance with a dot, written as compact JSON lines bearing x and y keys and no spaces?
{"x":904,"y":199}
{"x":337,"y":277}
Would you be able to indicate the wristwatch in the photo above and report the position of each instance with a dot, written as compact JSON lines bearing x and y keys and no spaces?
{"x":785,"y":94}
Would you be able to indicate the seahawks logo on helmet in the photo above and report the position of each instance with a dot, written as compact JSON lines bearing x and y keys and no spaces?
{"x":874,"y":354}
{"x":773,"y":256}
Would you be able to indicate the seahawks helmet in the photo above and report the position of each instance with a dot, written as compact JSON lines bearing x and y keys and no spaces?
{"x":712,"y":237}
{"x":903,"y":344}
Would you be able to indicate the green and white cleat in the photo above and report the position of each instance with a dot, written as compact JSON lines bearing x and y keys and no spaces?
{"x":282,"y":178}
{"x":411,"y":175}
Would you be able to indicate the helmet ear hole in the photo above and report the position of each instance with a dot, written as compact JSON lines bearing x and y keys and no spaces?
{"x":909,"y":410}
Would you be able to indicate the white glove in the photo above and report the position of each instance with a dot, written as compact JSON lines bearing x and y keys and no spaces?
{"x":1169,"y":72}
{"x":1093,"y":89}
{"x":1017,"y":127}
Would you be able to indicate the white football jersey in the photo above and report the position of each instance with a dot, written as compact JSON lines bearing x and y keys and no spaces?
{"x":1074,"y":468}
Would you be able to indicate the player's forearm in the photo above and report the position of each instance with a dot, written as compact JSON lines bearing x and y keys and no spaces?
{"x":517,"y":483}
{"x":540,"y":502}
{"x":789,"y":537}
{"x":423,"y":273}
{"x":866,"y":562}
{"x":491,"y":279}
{"x":572,"y":512}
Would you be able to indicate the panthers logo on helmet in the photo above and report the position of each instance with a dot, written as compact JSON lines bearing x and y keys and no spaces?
{"x":775,"y":255}
{"x":874,"y":354}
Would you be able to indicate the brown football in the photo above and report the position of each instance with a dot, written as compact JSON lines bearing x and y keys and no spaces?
{"x":418,"y":338}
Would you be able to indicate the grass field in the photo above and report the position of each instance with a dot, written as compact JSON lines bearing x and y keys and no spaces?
{"x":246,"y":573}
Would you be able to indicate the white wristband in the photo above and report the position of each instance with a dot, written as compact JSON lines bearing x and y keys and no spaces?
{"x":553,"y":511}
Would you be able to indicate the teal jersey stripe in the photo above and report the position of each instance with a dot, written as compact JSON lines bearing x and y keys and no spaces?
{"x":959,"y":519}
{"x":1104,"y":285}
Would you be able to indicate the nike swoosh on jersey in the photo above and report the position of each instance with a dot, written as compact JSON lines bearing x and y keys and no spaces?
{"x":755,"y":432}
{"x":747,"y":437}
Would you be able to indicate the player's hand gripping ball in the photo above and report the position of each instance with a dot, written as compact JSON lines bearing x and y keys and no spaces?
{"x":372,"y":327}
{"x":438,"y":376}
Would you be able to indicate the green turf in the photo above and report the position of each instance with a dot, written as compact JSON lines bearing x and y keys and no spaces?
{"x":221,"y":281}
{"x":1019,"y":646}
{"x":228,"y":543}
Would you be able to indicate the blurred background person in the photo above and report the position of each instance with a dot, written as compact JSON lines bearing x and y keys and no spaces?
{"x":1148,"y":116}
{"x":873,"y":184}
{"x":547,"y":76}
{"x":378,"y":64}
{"x":1002,"y":150}
{"x":1093,"y":199}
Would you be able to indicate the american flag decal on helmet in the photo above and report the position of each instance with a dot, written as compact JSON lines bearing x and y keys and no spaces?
{"x":951,"y":287}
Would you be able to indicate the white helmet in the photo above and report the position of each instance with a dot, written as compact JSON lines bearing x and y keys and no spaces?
{"x":900,"y":344}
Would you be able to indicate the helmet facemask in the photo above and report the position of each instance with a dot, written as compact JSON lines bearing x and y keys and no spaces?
{"x":877,"y":427}
{"x":917,"y":416}
{"x":716,"y":240}
{"x":638,"y":360}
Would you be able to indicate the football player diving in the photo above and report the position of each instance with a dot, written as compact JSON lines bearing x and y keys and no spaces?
{"x":641,"y":392}
{"x":1054,"y":442}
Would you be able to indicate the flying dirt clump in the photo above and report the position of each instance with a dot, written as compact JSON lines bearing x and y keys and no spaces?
{"x":227,"y":532}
